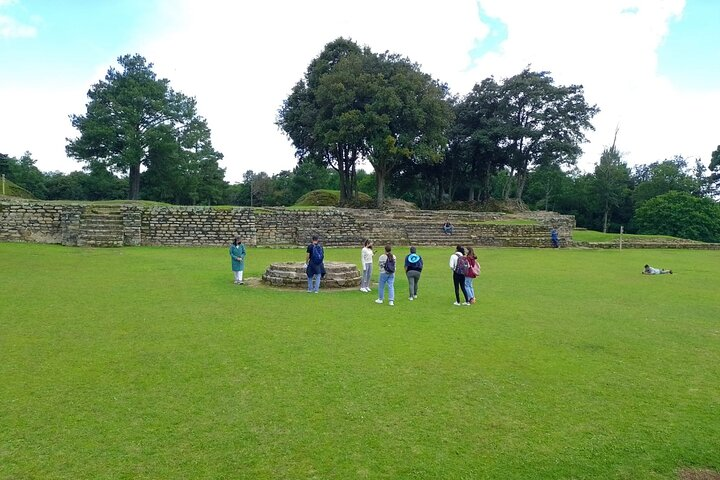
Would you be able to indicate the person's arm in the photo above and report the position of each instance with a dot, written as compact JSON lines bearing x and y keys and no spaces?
{"x":453,"y":262}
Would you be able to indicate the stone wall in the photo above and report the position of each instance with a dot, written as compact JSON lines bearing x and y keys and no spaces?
{"x":74,"y":224}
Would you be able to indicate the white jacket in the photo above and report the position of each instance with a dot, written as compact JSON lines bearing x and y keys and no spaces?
{"x":366,"y":256}
{"x":453,"y":260}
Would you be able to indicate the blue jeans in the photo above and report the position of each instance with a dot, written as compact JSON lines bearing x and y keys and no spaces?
{"x":315,"y":279}
{"x":469,"y":287}
{"x":389,"y":279}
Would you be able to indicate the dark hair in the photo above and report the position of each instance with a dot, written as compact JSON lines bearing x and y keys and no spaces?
{"x":471,"y":252}
{"x":460,"y":249}
{"x":314,"y":238}
{"x":367,"y":242}
{"x":413,"y":249}
{"x":388,"y":250}
{"x":237,"y":240}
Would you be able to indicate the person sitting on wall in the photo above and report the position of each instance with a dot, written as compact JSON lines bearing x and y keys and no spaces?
{"x":448,"y":228}
{"x":554,"y":239}
{"x":654,"y":271}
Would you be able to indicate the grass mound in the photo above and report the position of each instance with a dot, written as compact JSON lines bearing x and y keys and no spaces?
{"x":331,"y":198}
{"x":14,"y":190}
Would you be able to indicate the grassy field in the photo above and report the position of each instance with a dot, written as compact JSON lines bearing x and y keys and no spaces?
{"x":148,"y":363}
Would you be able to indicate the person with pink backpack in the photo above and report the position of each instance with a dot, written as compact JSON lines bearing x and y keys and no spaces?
{"x":472,"y":273}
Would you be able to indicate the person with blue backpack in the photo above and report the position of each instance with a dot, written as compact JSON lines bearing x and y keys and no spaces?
{"x":386,"y":262}
{"x":314,"y":261}
{"x":413,"y":267}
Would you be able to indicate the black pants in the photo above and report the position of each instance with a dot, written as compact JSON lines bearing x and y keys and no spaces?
{"x":459,"y":281}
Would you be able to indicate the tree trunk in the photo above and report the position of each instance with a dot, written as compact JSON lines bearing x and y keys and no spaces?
{"x":134,"y":193}
{"x":605,"y":216}
{"x":471,"y":193}
{"x":380,"y":185}
{"x":508,"y":185}
{"x":521,"y":179}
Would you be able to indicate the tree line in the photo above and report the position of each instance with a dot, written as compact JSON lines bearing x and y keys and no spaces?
{"x":515,"y":140}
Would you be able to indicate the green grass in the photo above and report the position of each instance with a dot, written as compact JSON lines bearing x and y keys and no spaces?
{"x":148,"y":363}
{"x":594,"y":236}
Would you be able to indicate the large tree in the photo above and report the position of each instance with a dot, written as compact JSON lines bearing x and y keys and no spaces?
{"x":545,"y":123}
{"x":714,"y":167}
{"x":131,"y":117}
{"x":355,"y":105}
{"x":476,"y":137}
{"x":322,"y":120}
{"x":612,"y":181}
{"x":409,"y":117}
{"x":659,"y":178}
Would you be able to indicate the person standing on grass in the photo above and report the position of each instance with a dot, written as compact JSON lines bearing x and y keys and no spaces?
{"x":386,"y":262}
{"x":554,"y":239}
{"x":237,"y":256}
{"x":459,"y":266}
{"x":413,"y":267}
{"x":366,"y":258}
{"x":472,"y":272}
{"x":314,"y":261}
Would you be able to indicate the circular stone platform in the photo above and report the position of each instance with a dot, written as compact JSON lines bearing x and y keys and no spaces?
{"x":292,"y":274}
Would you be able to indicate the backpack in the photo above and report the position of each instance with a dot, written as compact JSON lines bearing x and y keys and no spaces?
{"x":474,"y":270}
{"x":317,"y":256}
{"x":462,"y":266}
{"x":417,"y":264}
{"x":390,"y":265}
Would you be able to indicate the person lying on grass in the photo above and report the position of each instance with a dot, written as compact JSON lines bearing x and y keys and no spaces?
{"x":654,"y":271}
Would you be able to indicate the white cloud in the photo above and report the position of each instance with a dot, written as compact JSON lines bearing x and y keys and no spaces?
{"x":241,"y":59}
{"x":11,"y":28}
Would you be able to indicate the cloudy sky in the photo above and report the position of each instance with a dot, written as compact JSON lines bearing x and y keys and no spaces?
{"x":652,"y":66}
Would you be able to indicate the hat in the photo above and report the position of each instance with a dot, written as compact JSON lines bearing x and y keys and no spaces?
{"x":413,"y":257}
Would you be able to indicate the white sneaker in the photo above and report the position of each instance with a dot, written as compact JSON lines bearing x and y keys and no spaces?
{"x":368,"y":290}
{"x":466,"y":303}
{"x":378,"y":301}
{"x":414,"y":296}
{"x":391,"y":303}
{"x":411,"y":299}
{"x":457,"y":304}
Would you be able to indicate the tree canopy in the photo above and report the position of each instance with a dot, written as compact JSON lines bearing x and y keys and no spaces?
{"x":355,"y":105}
{"x":135,"y":119}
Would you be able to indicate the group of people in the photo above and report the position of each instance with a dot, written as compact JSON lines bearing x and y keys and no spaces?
{"x":387,"y":264}
{"x":463,"y":264}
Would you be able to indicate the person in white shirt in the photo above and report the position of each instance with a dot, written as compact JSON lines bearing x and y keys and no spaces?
{"x":366,"y":259}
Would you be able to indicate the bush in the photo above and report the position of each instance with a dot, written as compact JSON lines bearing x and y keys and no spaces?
{"x":679,"y":214}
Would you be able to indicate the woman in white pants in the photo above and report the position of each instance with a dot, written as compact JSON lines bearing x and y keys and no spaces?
{"x":366,"y":259}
